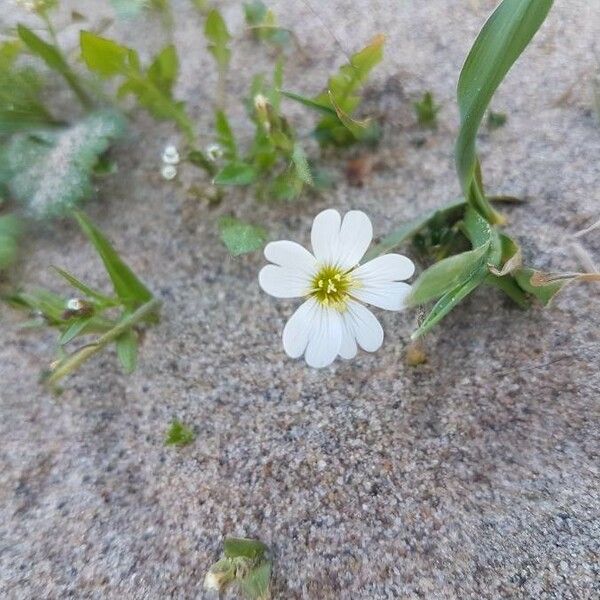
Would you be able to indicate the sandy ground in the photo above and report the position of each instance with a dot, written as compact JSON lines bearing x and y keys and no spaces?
{"x":473,"y":476}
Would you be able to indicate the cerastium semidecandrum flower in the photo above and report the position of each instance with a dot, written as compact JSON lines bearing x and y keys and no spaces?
{"x":333,"y":319}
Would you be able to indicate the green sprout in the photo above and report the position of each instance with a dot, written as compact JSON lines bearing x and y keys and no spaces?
{"x":495,"y":120}
{"x":179,"y":434}
{"x":427,"y":110}
{"x":245,"y":564}
{"x":118,"y":318}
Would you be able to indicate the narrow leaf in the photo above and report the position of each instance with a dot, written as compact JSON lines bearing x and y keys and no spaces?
{"x":502,"y":39}
{"x":127,"y":351}
{"x":447,"y":275}
{"x":128,"y":287}
{"x":447,"y":302}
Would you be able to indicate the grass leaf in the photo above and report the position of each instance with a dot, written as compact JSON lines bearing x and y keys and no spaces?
{"x":498,"y":45}
{"x":130,"y":290}
{"x":127,"y":351}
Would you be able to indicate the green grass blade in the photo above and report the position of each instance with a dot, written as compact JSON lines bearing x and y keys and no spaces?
{"x":130,"y":290}
{"x":501,"y":41}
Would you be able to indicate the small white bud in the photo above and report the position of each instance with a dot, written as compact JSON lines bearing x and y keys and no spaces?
{"x":214,"y":152}
{"x":75,"y":304}
{"x":260,"y":102}
{"x":168,"y":172}
{"x":170,"y":155}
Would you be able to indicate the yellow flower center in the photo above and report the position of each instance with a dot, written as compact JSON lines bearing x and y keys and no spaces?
{"x":330,"y":286}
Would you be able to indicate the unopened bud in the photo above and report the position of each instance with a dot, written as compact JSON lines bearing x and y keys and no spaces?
{"x":170,"y":155}
{"x":77,"y":307}
{"x":214,"y":152}
{"x":168,"y":172}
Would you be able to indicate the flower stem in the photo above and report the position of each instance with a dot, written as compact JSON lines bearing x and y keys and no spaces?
{"x":75,"y":360}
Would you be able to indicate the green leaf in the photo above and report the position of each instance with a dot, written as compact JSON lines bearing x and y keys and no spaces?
{"x":130,"y":290}
{"x":244,"y":547}
{"x":50,"y":305}
{"x":325,"y":109}
{"x":10,"y":232}
{"x":448,"y":274}
{"x":105,"y":57}
{"x":236,"y":173}
{"x":450,"y":212}
{"x":225,"y":136}
{"x":164,"y":68}
{"x":535,"y":283}
{"x":50,"y":171}
{"x":239,"y":237}
{"x":152,"y":89}
{"x":301,"y":164}
{"x":255,"y":12}
{"x":21,"y":107}
{"x":502,"y":39}
{"x":75,"y":327}
{"x":52,"y":56}
{"x":427,"y":111}
{"x":88,"y":291}
{"x":47,"y":52}
{"x":127,"y":351}
{"x":450,"y":299}
{"x":341,"y":94}
{"x":179,"y":434}
{"x":215,"y":31}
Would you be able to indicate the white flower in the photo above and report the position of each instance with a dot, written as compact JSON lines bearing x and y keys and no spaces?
{"x":333,"y":320}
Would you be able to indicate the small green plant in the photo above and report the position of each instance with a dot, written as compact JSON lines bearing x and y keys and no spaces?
{"x":179,"y":434}
{"x":246,"y":564}
{"x":46,"y":163}
{"x":463,"y":238}
{"x":117,"y":319}
{"x":152,"y":86}
{"x":340,"y":100}
{"x":495,"y":120}
{"x":49,"y":171}
{"x":241,"y":238}
{"x":263,"y":24}
{"x":427,"y":111}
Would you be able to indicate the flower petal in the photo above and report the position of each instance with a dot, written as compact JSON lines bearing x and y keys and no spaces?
{"x":348,"y":349}
{"x":389,"y":295}
{"x":325,"y":234}
{"x":291,"y":255}
{"x":282,"y":282}
{"x":389,"y":267}
{"x":364,"y":326}
{"x":296,"y":330}
{"x":356,"y":234}
{"x":324,"y":338}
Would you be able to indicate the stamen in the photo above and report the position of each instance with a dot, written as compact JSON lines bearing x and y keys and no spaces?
{"x":330,"y":286}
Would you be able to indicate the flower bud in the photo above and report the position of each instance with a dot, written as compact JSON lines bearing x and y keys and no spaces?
{"x":170,"y":155}
{"x":168,"y":172}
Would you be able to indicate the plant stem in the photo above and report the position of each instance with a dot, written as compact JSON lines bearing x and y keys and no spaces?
{"x":76,"y":359}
